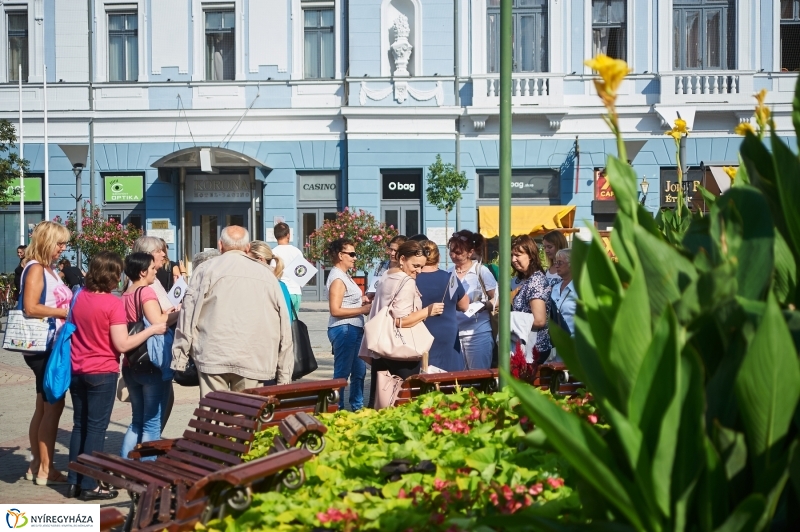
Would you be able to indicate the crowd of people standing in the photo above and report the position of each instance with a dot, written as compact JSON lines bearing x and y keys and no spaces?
{"x":234,"y":324}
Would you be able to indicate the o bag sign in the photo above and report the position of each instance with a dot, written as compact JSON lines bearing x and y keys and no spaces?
{"x":402,"y":186}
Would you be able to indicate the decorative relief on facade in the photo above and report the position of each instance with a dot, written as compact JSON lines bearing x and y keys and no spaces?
{"x":401,"y":48}
{"x":401,"y":90}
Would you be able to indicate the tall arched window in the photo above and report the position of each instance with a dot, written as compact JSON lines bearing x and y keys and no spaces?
{"x":529,"y":35}
{"x":704,"y":34}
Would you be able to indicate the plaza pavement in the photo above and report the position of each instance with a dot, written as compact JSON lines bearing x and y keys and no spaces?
{"x":17,"y":393}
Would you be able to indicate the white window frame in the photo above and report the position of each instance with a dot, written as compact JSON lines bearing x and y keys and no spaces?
{"x":557,"y":11}
{"x":102,"y":9}
{"x":32,"y":34}
{"x":199,"y":8}
{"x":298,"y":37}
{"x":746,"y":44}
{"x":630,"y":13}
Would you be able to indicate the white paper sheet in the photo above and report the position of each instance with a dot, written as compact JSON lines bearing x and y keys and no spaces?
{"x":300,"y":270}
{"x":473,"y":309}
{"x":177,"y":292}
{"x":452,"y":284}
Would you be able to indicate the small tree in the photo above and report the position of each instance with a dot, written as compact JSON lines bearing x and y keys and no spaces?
{"x":9,"y":165}
{"x":444,"y":188}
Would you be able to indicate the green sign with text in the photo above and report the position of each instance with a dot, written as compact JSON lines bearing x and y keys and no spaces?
{"x":124,"y":189}
{"x":33,"y":190}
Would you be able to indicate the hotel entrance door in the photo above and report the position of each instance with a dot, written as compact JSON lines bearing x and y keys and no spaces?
{"x":208,"y":221}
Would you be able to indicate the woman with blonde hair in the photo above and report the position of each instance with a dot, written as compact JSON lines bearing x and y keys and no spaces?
{"x":44,"y":295}
{"x":553,"y":242}
{"x":260,"y":251}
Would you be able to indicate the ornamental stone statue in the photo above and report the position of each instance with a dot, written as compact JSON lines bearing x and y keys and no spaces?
{"x":401,"y":48}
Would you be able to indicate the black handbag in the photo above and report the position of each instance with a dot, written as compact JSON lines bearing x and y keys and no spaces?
{"x":138,"y":358}
{"x":304,"y":360}
{"x":189,"y":376}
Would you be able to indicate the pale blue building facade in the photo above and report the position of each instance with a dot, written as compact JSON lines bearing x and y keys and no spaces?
{"x":205,"y":113}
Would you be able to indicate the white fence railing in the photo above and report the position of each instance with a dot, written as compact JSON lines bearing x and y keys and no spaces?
{"x":528,"y":88}
{"x":732,"y":86}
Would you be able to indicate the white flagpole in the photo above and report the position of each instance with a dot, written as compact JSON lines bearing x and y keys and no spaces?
{"x":21,"y":171}
{"x":46,"y":154}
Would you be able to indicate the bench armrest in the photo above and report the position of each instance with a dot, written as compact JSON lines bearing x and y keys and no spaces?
{"x":267,"y":466}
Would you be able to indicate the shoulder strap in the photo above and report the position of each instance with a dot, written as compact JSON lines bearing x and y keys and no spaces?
{"x":480,"y":279}
{"x":137,"y":300}
{"x":72,"y":304}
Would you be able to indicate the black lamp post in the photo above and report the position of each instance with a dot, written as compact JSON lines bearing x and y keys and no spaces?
{"x":77,"y":169}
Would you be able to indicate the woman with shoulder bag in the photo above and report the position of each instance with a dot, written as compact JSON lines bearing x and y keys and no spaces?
{"x":101,"y":335}
{"x":474,"y":327}
{"x":399,"y":292}
{"x":147,"y":385}
{"x":44,"y":295}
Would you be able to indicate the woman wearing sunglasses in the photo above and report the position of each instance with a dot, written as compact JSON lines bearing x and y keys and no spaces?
{"x":347,"y":306}
{"x":399,"y":289}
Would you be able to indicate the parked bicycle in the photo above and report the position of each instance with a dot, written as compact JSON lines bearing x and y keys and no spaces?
{"x":7,"y":297}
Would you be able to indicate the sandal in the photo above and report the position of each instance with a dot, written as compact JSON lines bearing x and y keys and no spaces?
{"x":61,"y":480}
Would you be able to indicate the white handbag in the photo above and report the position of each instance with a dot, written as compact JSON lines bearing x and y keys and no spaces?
{"x":387,"y":340}
{"x":29,"y":335}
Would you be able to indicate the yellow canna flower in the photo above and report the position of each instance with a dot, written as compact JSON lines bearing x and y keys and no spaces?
{"x":743,"y":128}
{"x":612,"y":72}
{"x":761,"y":96}
{"x":674,"y":133}
{"x":731,"y":171}
{"x":680,"y":126}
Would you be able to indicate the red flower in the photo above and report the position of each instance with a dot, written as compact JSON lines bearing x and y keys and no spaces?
{"x":555,"y":483}
{"x":592,"y":419}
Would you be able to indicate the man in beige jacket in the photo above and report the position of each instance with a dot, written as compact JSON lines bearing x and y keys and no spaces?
{"x":234,"y":321}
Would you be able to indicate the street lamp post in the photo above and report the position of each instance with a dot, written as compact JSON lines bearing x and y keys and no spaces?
{"x":77,"y":169}
{"x":645,"y":186}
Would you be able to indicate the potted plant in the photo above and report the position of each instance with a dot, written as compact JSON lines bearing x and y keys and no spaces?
{"x":99,"y":234}
{"x":368,"y":235}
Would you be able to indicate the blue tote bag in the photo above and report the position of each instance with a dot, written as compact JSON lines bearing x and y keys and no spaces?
{"x":58,"y":373}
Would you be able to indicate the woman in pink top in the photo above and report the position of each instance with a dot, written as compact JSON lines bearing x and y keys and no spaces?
{"x":101,"y":334}
{"x":44,"y":295}
{"x":148,"y":385}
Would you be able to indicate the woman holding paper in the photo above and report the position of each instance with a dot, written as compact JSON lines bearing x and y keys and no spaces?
{"x":149,"y":389}
{"x":474,"y":327}
{"x":438,"y":286}
{"x":534,"y":291}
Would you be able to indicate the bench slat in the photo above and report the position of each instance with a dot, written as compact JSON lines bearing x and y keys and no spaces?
{"x":183,"y":466}
{"x":144,"y":468}
{"x":281,"y":391}
{"x":117,"y":482}
{"x":216,"y":441}
{"x":243,"y":399}
{"x":231,"y":432}
{"x":232,"y":421}
{"x":97,"y":460}
{"x":188,"y":458}
{"x":232,"y":408}
{"x":208,"y":452}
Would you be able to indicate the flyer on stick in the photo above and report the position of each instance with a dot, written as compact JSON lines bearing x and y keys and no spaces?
{"x":177,"y":291}
{"x":300,"y":270}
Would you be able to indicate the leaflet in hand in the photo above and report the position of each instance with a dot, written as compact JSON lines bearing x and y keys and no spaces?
{"x":474,"y":308}
{"x":300,"y":270}
{"x":452,"y":284}
{"x":177,"y":292}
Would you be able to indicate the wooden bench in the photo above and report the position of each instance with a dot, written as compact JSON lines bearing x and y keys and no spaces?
{"x":483,"y":380}
{"x":318,"y":397}
{"x":555,"y":376}
{"x":110,"y":518}
{"x":203,"y":474}
{"x":300,"y":430}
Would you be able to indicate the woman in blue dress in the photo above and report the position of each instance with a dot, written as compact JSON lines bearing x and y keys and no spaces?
{"x":434,"y":287}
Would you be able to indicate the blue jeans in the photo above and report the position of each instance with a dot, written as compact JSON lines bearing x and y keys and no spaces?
{"x":149,"y":395}
{"x":93,"y":399}
{"x":346,"y":342}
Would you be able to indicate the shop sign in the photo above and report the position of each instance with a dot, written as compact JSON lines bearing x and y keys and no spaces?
{"x":602,"y":186}
{"x":33,"y":190}
{"x":217,"y":188}
{"x":124,"y":189}
{"x":402,"y":186}
{"x":670,"y":186}
{"x":528,"y":184}
{"x":317,"y":187}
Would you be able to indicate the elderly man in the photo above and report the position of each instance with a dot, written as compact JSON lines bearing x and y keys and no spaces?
{"x":234,"y":321}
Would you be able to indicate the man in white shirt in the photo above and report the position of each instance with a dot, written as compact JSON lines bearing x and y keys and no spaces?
{"x":287,"y":254}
